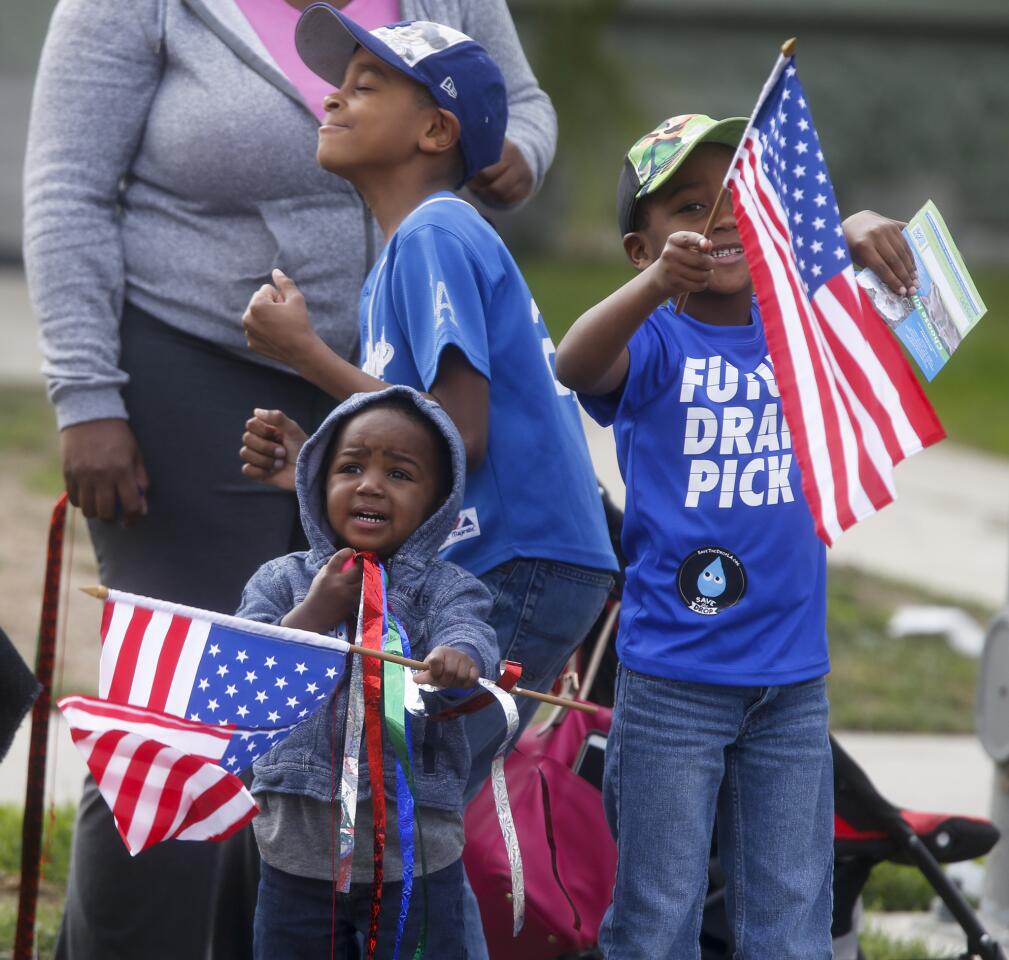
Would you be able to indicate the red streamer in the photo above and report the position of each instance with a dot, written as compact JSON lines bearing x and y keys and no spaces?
{"x":372,"y":639}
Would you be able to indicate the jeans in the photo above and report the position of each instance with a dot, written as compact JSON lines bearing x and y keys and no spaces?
{"x":759,"y":756}
{"x":542,"y":612}
{"x":295,"y":918}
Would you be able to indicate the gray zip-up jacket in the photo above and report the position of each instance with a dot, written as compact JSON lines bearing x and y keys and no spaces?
{"x":437,"y":602}
{"x":171,"y":163}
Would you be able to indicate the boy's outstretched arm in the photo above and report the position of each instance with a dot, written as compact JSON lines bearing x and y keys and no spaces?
{"x":877,"y":242}
{"x":592,"y":357}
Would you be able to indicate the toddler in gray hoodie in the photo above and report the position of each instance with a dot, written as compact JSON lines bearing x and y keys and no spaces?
{"x":384,"y":474}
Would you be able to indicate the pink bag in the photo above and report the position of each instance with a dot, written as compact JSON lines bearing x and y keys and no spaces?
{"x":562,"y":915}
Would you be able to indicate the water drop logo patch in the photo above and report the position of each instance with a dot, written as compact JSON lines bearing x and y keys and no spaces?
{"x":710,"y":580}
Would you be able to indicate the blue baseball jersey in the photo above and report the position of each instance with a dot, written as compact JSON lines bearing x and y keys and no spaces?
{"x":726,"y":578}
{"x":445,"y":279}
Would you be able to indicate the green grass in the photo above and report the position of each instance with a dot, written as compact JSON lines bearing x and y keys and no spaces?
{"x":895,"y":888}
{"x":878,"y":682}
{"x":969,"y":394}
{"x":56,"y":864}
{"x":877,"y":946}
{"x":28,"y":438}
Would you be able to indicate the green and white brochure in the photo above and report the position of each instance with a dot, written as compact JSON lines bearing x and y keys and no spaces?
{"x":945,"y":307}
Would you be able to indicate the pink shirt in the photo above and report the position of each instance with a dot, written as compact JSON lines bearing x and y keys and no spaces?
{"x":274,"y":21}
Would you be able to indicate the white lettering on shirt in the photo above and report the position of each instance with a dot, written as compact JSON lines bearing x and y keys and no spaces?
{"x":752,"y":470}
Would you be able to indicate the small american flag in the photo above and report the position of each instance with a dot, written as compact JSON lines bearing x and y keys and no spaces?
{"x":214,"y":669}
{"x":188,"y":698}
{"x":158,"y":774}
{"x":852,"y":403}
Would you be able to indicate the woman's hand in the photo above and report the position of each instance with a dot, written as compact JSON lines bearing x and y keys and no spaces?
{"x":877,"y":242}
{"x":277,"y":325}
{"x":270,"y":447}
{"x":506,"y":182}
{"x":104,"y":471}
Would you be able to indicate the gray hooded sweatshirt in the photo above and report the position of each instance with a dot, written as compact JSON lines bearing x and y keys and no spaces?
{"x":437,"y":602}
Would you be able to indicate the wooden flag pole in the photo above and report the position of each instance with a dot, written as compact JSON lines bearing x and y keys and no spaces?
{"x":102,"y":593}
{"x":45,"y":657}
{"x":787,"y":49}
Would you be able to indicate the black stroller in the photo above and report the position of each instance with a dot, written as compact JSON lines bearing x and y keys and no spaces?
{"x":868,"y":830}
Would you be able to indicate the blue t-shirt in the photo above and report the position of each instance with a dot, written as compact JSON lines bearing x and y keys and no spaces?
{"x":726,"y":578}
{"x":446,"y":279}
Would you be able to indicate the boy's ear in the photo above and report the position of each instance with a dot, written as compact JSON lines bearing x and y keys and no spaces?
{"x":637,"y":250}
{"x":442,"y":133}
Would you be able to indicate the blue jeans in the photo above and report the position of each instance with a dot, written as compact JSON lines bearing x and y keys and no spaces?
{"x":759,"y":756}
{"x":294,"y":917}
{"x":542,"y":612}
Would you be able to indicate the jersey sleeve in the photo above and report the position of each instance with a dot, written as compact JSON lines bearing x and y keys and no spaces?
{"x":441,"y":296}
{"x":655,"y":361}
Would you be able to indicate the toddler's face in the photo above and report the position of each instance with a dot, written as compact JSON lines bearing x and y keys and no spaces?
{"x":685,"y":202}
{"x":383,"y":481}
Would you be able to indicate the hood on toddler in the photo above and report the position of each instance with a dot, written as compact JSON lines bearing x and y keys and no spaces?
{"x":310,"y":477}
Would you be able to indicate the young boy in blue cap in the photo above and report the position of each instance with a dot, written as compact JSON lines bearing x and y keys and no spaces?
{"x":419,"y":110}
{"x":721,"y":702}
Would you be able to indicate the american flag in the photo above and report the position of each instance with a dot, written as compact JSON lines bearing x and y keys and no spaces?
{"x":158,"y":774}
{"x":853,"y":405}
{"x":188,"y":698}
{"x":214,"y":669}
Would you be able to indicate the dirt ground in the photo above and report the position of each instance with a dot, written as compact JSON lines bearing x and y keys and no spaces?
{"x":24,"y":522}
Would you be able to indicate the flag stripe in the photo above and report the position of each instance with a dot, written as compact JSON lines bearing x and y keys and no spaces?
{"x":118,"y":623}
{"x":855,"y":365}
{"x":196,"y":738}
{"x":129,"y":653}
{"x":136,"y":769}
{"x":107,"y":610}
{"x":168,"y":808}
{"x":171,"y":651}
{"x":181,"y":688}
{"x":220,"y":810}
{"x":148,"y":655}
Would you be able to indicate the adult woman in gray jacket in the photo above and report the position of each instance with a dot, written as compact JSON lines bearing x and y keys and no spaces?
{"x":170,"y":168}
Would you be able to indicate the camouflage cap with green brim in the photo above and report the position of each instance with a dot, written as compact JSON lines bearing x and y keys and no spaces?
{"x":659,"y":154}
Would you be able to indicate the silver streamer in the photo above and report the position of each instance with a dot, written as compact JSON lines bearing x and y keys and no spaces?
{"x":351,"y":759}
{"x":503,"y":807}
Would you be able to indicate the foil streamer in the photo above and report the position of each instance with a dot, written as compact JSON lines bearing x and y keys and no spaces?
{"x":351,"y":760}
{"x":503,"y":807}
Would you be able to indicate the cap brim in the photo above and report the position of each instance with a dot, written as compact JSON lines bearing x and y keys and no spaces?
{"x":728,"y":132}
{"x":326,"y":40}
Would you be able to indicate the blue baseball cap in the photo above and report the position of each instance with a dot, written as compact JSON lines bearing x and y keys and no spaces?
{"x":452,"y":67}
